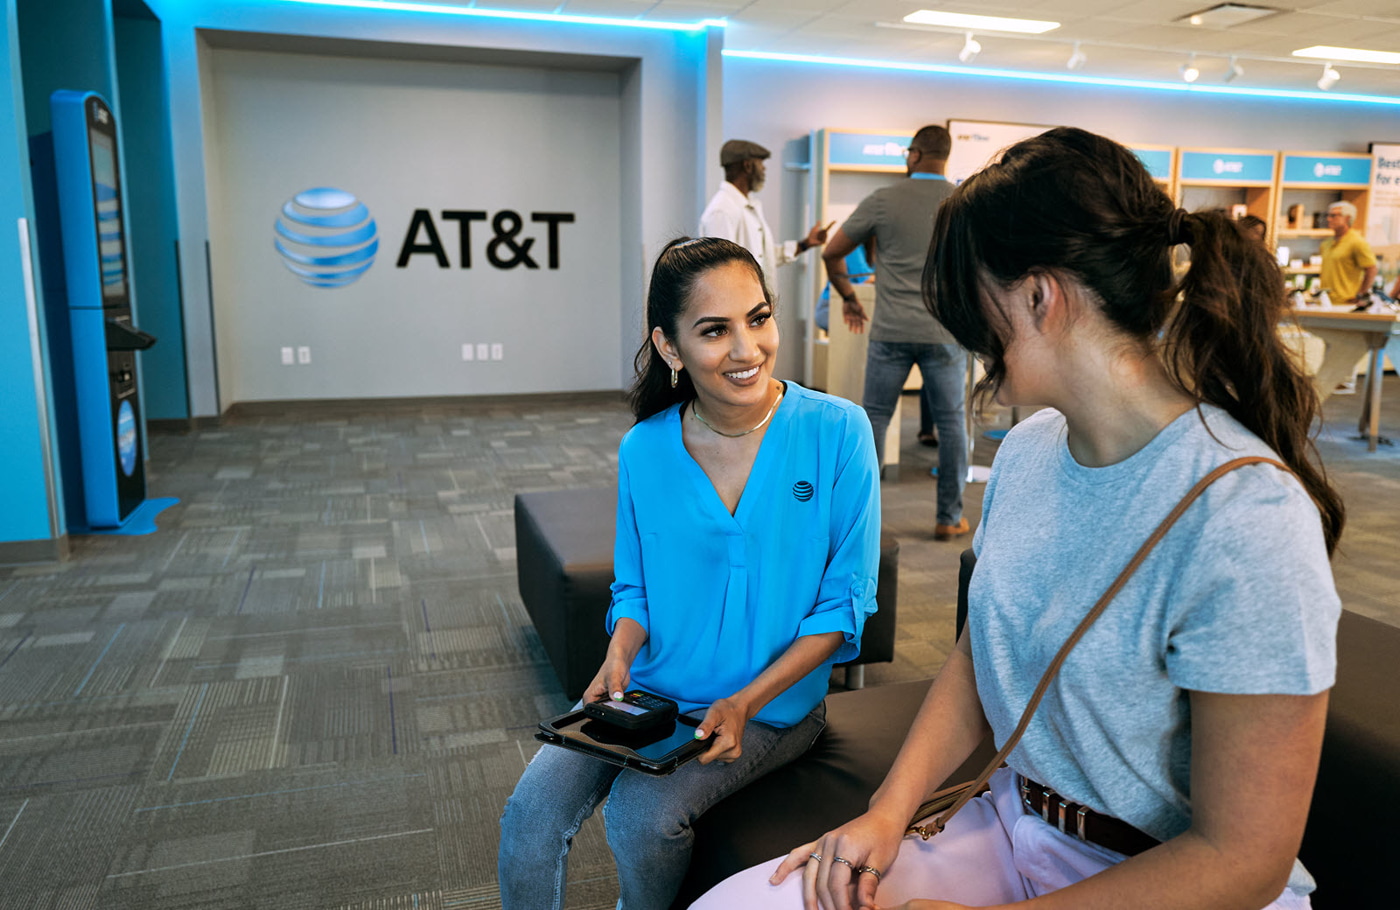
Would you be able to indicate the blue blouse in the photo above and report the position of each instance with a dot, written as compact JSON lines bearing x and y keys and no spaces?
{"x":723,"y":596}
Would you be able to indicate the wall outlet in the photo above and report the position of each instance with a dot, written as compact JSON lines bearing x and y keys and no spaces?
{"x":483,"y":351}
{"x":468,"y":352}
{"x":303,"y":354}
{"x":498,"y":351}
{"x":288,"y":357}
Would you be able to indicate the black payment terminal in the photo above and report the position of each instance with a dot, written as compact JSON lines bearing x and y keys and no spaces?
{"x":637,"y":710}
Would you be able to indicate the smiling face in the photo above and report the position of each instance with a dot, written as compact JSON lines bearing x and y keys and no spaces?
{"x":726,"y":339}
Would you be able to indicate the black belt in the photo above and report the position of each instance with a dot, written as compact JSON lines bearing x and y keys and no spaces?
{"x":1083,"y":822}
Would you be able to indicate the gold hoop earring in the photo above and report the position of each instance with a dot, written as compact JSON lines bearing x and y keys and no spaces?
{"x":675,"y":377}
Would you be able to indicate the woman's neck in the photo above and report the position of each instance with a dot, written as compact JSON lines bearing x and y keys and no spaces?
{"x":1113,"y":412}
{"x":730,"y":420}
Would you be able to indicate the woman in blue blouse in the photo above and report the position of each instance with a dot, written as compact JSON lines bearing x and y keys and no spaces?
{"x":748,"y":525}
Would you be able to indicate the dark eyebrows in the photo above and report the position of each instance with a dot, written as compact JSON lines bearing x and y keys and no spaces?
{"x":721,"y":320}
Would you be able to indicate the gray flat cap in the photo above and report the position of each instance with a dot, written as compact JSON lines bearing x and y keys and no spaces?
{"x":736,"y":150}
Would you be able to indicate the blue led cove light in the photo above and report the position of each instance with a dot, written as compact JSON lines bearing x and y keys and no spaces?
{"x":402,"y":6}
{"x":1072,"y":79}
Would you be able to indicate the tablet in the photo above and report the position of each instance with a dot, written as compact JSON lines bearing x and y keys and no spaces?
{"x":656,"y":750}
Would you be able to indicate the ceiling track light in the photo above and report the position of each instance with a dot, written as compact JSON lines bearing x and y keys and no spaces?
{"x":1235,"y":71}
{"x":970,"y":49}
{"x":1330,"y":77}
{"x":1189,"y":72}
{"x":1076,"y":59}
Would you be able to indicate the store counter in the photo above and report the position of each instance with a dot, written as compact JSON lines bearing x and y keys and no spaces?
{"x":1348,"y":337}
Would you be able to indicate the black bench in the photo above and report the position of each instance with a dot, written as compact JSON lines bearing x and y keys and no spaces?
{"x":564,"y":553}
{"x":1348,"y":845}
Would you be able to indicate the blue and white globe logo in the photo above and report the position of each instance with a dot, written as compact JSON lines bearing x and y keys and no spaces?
{"x":326,"y":237}
{"x":126,"y":438}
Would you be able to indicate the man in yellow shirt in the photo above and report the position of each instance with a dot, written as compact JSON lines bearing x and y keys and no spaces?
{"x":1348,"y":265}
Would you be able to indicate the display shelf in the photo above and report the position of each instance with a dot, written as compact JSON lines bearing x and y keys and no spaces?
{"x":1315,"y":180}
{"x":1160,"y":161}
{"x":1220,"y":178}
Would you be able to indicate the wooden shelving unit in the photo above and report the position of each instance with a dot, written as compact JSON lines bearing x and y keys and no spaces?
{"x":1316,"y":180}
{"x":1216,"y":177}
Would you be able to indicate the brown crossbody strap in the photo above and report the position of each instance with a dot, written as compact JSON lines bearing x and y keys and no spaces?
{"x":967,"y":792}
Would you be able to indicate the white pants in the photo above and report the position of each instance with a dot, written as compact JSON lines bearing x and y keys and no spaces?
{"x":992,"y":852}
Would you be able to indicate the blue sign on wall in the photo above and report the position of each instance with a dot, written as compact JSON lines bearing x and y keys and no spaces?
{"x":1321,"y":169}
{"x":1227,"y":167}
{"x":866,"y":149}
{"x":1157,"y":161}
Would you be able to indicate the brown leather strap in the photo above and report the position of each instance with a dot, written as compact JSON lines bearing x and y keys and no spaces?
{"x":978,"y":784}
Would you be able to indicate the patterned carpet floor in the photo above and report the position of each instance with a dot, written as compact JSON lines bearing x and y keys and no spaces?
{"x":315,"y":685}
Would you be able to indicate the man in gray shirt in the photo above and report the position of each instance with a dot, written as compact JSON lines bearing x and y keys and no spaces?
{"x":900,"y":219}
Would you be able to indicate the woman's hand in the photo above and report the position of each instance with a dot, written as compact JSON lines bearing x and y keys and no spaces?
{"x":611,"y":681}
{"x":871,"y":840}
{"x":724,"y":726}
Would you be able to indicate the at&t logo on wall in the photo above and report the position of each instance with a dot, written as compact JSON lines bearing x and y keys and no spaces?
{"x":326,"y":237}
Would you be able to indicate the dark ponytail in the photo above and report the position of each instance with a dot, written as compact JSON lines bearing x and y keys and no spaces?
{"x":673,"y":277}
{"x":1077,"y":204}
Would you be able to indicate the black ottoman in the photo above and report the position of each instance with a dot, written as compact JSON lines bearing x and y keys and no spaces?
{"x":563,"y":552}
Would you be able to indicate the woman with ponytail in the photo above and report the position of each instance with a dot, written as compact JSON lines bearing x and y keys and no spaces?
{"x":747,"y":549}
{"x":1172,"y":760}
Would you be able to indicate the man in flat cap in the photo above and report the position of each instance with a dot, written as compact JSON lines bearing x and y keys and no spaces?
{"x":736,"y":215}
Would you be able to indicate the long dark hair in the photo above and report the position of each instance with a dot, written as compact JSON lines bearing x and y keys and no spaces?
{"x":1078,"y":205}
{"x":674,"y":276}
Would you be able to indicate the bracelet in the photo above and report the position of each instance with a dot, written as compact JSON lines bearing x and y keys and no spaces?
{"x":848,"y":297}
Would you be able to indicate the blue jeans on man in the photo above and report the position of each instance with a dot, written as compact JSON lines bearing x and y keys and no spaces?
{"x":944,"y":371}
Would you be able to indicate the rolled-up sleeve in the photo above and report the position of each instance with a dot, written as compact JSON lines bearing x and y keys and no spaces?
{"x":629,"y":593}
{"x":846,"y":595}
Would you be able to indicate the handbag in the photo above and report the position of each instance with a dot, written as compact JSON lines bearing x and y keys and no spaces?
{"x":945,"y":803}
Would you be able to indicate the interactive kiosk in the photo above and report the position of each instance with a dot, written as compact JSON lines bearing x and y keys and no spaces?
{"x":99,"y":411}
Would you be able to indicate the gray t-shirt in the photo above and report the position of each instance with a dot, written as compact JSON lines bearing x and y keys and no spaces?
{"x":1236,"y":598}
{"x":900,"y":218}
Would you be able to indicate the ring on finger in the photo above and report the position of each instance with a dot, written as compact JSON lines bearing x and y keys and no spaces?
{"x":870,"y":869}
{"x":843,"y":861}
{"x":815,"y":856}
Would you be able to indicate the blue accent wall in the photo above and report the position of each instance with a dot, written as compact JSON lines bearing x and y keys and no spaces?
{"x":151,"y":214}
{"x":26,"y":514}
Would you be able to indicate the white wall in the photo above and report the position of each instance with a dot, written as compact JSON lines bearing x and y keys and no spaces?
{"x":778,"y":104}
{"x":667,"y":84}
{"x":402,"y":136}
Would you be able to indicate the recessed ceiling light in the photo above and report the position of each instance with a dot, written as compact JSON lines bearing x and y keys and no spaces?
{"x":1354,"y":54}
{"x":1224,"y":15}
{"x":980,"y":23}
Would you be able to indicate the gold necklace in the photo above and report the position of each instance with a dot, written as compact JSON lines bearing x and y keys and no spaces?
{"x":695,"y":409}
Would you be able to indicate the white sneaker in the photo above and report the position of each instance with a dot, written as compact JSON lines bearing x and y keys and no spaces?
{"x":1345,"y":388}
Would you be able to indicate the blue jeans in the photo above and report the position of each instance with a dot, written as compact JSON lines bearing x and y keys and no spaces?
{"x":647,"y":819}
{"x":944,"y":371}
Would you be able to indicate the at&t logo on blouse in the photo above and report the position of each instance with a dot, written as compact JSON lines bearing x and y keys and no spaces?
{"x":326,"y":237}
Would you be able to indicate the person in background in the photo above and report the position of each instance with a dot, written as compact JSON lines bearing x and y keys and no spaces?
{"x":746,"y":560}
{"x":1175,"y":753}
{"x":1348,"y":265}
{"x":734,"y":213}
{"x":903,"y":333}
{"x":858,"y":270}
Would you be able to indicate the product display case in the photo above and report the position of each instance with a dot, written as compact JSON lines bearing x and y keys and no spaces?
{"x":1308,"y":183}
{"x":1240,"y":181}
{"x":1160,"y":161}
{"x":846,"y":166}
